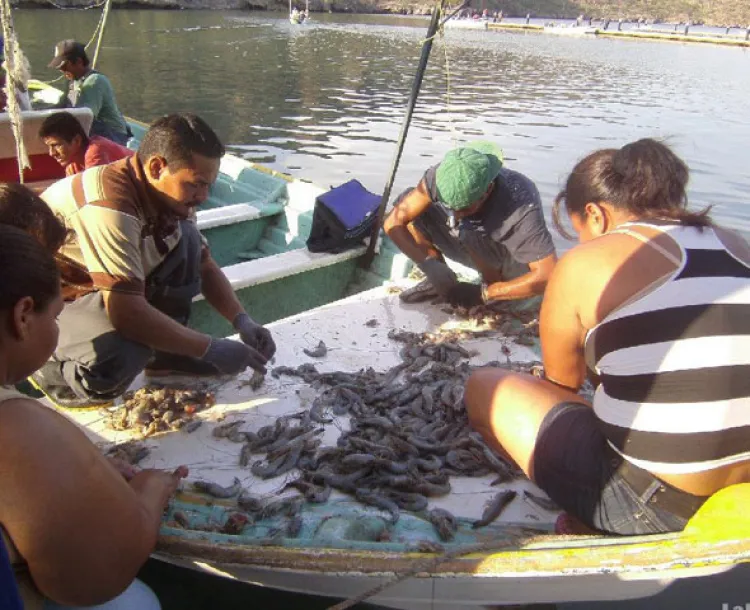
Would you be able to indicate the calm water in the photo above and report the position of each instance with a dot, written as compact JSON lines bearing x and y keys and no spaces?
{"x":324,"y":101}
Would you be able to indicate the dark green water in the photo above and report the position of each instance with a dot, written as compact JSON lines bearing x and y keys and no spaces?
{"x":324,"y":101}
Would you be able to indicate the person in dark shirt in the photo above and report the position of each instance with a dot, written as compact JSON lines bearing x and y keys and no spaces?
{"x":473,"y":210}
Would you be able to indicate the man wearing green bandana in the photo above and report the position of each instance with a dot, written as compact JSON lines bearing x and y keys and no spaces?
{"x":471,"y":209}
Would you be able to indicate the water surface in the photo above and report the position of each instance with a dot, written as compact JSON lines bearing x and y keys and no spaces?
{"x":324,"y":101}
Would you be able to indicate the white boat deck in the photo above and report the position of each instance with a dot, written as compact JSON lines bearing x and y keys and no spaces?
{"x":351,"y":346}
{"x":552,"y":569}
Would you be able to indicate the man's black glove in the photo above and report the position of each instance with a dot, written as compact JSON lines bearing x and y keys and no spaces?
{"x":441,"y":276}
{"x":465,"y":294}
{"x":255,"y":335}
{"x":232,"y":357}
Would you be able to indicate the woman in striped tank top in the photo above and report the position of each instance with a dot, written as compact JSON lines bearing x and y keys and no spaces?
{"x":654,"y":306}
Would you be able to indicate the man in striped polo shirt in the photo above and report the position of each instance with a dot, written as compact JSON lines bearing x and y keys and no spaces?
{"x":134,"y":261}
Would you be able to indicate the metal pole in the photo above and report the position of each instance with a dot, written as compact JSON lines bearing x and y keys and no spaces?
{"x":426,"y":48}
{"x":101,"y":33}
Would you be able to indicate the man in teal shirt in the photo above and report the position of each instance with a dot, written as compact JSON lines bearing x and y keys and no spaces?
{"x":91,"y":89}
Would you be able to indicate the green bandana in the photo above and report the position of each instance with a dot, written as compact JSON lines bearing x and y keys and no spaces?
{"x":465,"y":174}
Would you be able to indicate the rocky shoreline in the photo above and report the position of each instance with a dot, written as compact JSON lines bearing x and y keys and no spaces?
{"x":328,"y":6}
{"x":553,"y":10}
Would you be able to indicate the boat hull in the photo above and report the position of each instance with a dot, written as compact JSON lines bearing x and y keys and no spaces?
{"x":442,"y":591}
{"x":514,"y":560}
{"x":466,"y":24}
{"x":552,"y":570}
{"x":575,"y":32}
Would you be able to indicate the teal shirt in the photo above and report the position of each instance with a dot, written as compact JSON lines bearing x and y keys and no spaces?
{"x":95,"y":91}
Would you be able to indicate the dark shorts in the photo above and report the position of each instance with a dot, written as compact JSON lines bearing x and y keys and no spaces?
{"x":576,"y":467}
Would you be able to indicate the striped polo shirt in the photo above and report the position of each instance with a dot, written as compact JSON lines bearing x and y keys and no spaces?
{"x":119,"y":234}
{"x":674,"y":365}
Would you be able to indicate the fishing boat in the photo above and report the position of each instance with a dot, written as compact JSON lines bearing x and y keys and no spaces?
{"x":256,"y":221}
{"x":297,"y":17}
{"x":466,"y":24}
{"x":571,"y":30}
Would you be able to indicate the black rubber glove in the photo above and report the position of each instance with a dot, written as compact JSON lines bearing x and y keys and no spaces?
{"x":465,"y":294}
{"x":232,"y":357}
{"x":255,"y":335}
{"x":441,"y":276}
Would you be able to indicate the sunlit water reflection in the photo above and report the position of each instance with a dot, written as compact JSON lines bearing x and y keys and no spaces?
{"x":325,"y":100}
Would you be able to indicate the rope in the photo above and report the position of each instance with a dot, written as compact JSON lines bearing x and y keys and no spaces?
{"x":100,"y":27}
{"x":76,"y":8}
{"x":421,"y":566}
{"x":98,"y":31}
{"x":13,"y":61}
{"x":451,"y":114}
{"x":441,"y":34}
{"x":369,"y":255}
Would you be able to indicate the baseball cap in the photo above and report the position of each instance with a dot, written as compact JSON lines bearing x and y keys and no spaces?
{"x":66,"y":50}
{"x":465,"y":173}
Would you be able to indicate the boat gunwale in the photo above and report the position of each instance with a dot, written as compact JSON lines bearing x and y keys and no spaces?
{"x":619,"y":557}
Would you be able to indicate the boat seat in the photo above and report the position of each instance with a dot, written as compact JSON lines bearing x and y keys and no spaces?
{"x":227,"y":215}
{"x":43,"y":167}
{"x":271,"y":268}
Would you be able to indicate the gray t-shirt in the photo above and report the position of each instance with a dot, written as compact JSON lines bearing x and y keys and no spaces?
{"x":510,"y":221}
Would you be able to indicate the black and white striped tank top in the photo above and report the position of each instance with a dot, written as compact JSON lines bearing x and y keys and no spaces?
{"x":674,"y":365}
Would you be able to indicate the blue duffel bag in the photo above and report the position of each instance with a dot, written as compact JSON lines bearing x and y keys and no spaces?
{"x":342,"y":218}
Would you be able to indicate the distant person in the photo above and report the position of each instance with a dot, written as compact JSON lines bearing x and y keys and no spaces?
{"x":69,"y":145}
{"x":90,"y":89}
{"x":471,"y":209}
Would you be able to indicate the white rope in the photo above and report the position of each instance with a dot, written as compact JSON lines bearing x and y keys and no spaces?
{"x":96,"y":31}
{"x":99,"y":28}
{"x":13,"y":61}
{"x":76,"y":8}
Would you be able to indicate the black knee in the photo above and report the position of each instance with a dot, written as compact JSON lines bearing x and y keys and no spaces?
{"x":117,"y":363}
